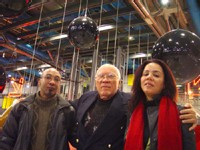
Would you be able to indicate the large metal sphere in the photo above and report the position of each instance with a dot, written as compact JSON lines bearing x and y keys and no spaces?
{"x":180,"y":49}
{"x":83,"y":32}
{"x":13,"y":8}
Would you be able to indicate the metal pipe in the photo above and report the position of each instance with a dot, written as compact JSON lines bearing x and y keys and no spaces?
{"x":139,"y":7}
{"x":26,"y":54}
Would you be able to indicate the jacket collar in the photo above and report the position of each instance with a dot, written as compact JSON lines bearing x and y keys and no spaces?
{"x":115,"y":113}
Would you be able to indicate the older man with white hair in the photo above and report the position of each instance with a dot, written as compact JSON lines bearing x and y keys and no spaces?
{"x":103,"y":115}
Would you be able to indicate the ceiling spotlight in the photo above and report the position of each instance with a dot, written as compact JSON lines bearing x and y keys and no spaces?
{"x":164,"y":2}
{"x":21,"y":68}
{"x":58,"y":37}
{"x":44,"y":66}
{"x":140,"y":55}
{"x":105,"y":27}
{"x":131,"y":38}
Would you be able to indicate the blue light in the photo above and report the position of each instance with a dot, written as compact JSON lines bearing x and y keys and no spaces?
{"x":28,"y":45}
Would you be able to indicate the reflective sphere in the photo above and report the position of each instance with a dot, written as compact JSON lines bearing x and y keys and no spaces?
{"x":180,"y":49}
{"x":13,"y":8}
{"x":2,"y":79}
{"x":83,"y":32}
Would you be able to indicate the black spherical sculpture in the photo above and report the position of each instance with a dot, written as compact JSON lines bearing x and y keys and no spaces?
{"x":83,"y":32}
{"x":2,"y":79}
{"x":180,"y":49}
{"x":13,"y":8}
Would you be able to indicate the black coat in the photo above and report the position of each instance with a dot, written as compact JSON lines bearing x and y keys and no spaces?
{"x":110,"y":133}
{"x":17,"y":129}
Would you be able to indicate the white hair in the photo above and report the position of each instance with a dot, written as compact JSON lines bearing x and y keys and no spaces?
{"x":110,"y":65}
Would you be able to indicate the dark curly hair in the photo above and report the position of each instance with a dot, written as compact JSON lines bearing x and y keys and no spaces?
{"x":169,"y":90}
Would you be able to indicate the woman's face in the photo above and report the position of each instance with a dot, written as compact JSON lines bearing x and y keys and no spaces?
{"x":152,"y":80}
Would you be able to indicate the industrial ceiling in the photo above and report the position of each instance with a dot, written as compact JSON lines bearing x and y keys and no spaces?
{"x":30,"y":39}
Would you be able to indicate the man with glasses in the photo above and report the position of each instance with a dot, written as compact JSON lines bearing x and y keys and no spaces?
{"x":102,"y":115}
{"x":42,"y":121}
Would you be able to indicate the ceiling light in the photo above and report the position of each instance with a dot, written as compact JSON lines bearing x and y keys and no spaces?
{"x":131,"y":38}
{"x":140,"y":55}
{"x":105,"y":27}
{"x":179,"y":85}
{"x":28,"y":45}
{"x":164,"y":2}
{"x":58,"y":37}
{"x":44,"y":66}
{"x":21,"y":68}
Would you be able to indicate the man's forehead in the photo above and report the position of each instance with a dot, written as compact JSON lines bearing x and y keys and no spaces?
{"x":107,"y":69}
{"x":51,"y":71}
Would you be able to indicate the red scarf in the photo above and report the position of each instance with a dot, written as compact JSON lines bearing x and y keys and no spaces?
{"x":169,"y":127}
{"x":197,"y":133}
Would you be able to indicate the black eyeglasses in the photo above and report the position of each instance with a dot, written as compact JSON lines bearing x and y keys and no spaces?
{"x":109,"y":76}
{"x":49,"y":77}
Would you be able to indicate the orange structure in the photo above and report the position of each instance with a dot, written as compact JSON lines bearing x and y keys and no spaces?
{"x":17,"y":88}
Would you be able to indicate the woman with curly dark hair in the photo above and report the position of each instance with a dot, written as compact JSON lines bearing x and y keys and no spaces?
{"x":155,"y":123}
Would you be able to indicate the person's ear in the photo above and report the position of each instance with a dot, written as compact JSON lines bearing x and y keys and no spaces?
{"x":120,"y":83}
{"x":39,"y":81}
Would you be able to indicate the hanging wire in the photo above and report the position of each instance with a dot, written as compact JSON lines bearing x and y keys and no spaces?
{"x":147,"y":46}
{"x":128,"y":46}
{"x":116,"y":30}
{"x":95,"y":54}
{"x":97,"y":50}
{"x":32,"y":81}
{"x":108,"y":42}
{"x":61,"y":32}
{"x":35,"y":44}
{"x":168,"y":23}
{"x":139,"y":41}
{"x":79,"y":11}
{"x":139,"y":46}
{"x":86,"y":9}
{"x":178,"y":14}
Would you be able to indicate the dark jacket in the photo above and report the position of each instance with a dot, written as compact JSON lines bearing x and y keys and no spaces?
{"x":17,"y":129}
{"x":110,"y":133}
{"x":188,"y":137}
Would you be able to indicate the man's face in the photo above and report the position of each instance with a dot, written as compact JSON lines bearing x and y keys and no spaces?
{"x":107,"y":82}
{"x":49,"y":83}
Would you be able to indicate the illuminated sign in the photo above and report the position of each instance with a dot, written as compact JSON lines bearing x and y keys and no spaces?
{"x":17,"y":86}
{"x":193,"y":88}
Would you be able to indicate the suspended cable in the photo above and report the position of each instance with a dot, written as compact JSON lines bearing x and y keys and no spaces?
{"x":79,"y":11}
{"x":108,"y":41}
{"x":178,"y":14}
{"x":98,"y":42}
{"x":60,"y":40}
{"x":86,"y":9}
{"x":139,"y":46}
{"x":148,"y":46}
{"x":116,"y":30}
{"x":95,"y":55}
{"x":139,"y":41}
{"x":101,"y":10}
{"x":128,"y":46}
{"x":35,"y":44}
